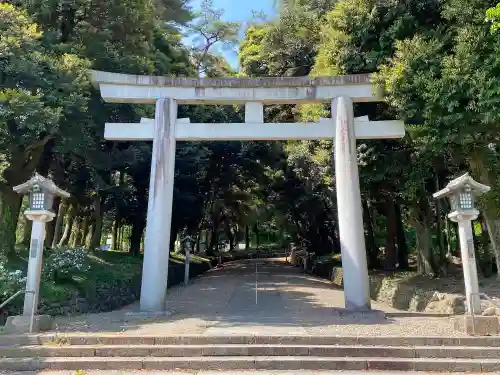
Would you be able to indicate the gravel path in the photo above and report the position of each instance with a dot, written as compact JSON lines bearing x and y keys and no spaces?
{"x":286,"y":302}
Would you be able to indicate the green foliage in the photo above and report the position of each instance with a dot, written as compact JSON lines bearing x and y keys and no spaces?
{"x":493,"y":16}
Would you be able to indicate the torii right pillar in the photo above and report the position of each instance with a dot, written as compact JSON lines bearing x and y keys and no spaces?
{"x":350,"y":214}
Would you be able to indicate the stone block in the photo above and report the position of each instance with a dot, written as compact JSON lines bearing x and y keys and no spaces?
{"x":149,"y":314}
{"x":21,"y":324}
{"x":480,"y":325}
{"x":491,"y":311}
{"x":120,"y":351}
{"x":390,"y":364}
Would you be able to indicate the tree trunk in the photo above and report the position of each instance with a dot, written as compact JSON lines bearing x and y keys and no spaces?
{"x":420,"y":223}
{"x":492,"y":221}
{"x":76,"y":236}
{"x":84,"y":232}
{"x":114,"y":233}
{"x":213,"y":239}
{"x":59,"y":220}
{"x":257,"y":235}
{"x":95,"y":241}
{"x":439,"y":229}
{"x":51,"y":225}
{"x":371,"y":245}
{"x":86,"y":240}
{"x":494,"y":234}
{"x":28,"y":224}
{"x":198,"y":240}
{"x":69,"y":225}
{"x":247,"y":237}
{"x":119,"y":241}
{"x":424,"y":250}
{"x":215,"y":222}
{"x":136,"y":236}
{"x":401,"y":240}
{"x":123,"y":244}
{"x":231,"y":237}
{"x":390,"y":247}
{"x":17,"y":172}
{"x":449,"y":251}
{"x":11,"y":205}
{"x":173,"y":236}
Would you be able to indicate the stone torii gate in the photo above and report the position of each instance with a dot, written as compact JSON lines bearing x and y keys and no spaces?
{"x":167,"y":93}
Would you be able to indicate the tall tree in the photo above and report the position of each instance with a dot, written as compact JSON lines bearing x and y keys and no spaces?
{"x":42,"y":100}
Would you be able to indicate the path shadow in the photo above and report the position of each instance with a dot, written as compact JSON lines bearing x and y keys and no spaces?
{"x":286,"y":298}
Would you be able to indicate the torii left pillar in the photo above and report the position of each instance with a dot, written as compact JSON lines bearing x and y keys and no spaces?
{"x":350,"y":214}
{"x":159,"y":216}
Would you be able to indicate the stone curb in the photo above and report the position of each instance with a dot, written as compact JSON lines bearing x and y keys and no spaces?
{"x":254,"y":363}
{"x":8,"y":340}
{"x":248,"y":350}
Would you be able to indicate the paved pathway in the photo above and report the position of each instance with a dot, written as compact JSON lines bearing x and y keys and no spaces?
{"x":276,"y":300}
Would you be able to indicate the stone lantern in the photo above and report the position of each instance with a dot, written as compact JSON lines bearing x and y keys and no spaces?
{"x":41,"y":192}
{"x":461,"y":193}
{"x":187,"y":244}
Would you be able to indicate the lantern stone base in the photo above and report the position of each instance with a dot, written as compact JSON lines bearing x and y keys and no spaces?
{"x":480,"y":325}
{"x":21,"y":324}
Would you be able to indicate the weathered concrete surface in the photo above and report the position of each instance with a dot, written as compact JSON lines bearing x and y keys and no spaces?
{"x":350,"y":217}
{"x":21,"y":324}
{"x":132,"y":79}
{"x":480,"y":325}
{"x":159,"y":216}
{"x":222,"y":303}
{"x":254,"y":350}
{"x":279,"y":372}
{"x":254,"y":131}
{"x":250,"y":363}
{"x":125,"y":88}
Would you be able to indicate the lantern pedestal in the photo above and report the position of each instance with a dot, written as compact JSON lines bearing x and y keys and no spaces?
{"x":187,"y":244}
{"x":39,"y":219}
{"x":186,"y":267}
{"x":464,"y":221}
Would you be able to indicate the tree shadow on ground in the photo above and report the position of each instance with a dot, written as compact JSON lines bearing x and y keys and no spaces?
{"x":226,"y":298}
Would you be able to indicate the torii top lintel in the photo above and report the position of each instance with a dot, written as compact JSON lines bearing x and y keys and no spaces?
{"x":129,"y":88}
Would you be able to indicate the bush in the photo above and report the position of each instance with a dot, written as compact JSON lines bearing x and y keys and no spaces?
{"x":80,"y":281}
{"x":10,"y":280}
{"x":63,"y":263}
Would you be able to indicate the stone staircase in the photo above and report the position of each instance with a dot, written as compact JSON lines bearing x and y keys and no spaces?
{"x":196,"y":352}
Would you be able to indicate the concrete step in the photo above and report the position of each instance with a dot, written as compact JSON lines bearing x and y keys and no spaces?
{"x":93,"y":339}
{"x":248,"y":350}
{"x":249,"y":363}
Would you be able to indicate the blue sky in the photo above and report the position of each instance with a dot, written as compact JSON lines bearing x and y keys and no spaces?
{"x":239,"y":10}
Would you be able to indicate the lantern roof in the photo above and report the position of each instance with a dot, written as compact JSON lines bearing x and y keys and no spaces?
{"x":456,"y":184}
{"x":45,"y":183}
{"x":187,"y":238}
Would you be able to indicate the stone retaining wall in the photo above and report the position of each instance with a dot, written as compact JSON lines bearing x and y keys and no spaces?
{"x":398,"y":293}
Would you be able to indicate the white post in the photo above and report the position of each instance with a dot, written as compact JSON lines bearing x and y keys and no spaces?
{"x":159,"y":217}
{"x":351,"y":231}
{"x":186,"y":266}
{"x":34,"y":267}
{"x":469,"y":263}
